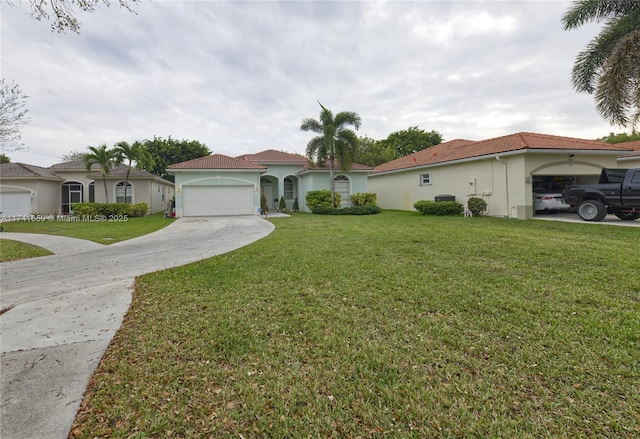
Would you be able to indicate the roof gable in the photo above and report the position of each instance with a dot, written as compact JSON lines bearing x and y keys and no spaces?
{"x":217,"y":161}
{"x":22,"y":170}
{"x":272,"y":156}
{"x":466,"y":149}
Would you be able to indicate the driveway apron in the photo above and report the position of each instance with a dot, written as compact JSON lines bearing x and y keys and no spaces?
{"x":64,"y":310}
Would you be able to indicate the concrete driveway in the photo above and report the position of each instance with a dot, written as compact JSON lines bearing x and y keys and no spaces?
{"x":65,"y":309}
{"x":609,"y":220}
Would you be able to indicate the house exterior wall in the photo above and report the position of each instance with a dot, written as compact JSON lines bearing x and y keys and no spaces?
{"x":319,"y":180}
{"x":503,"y":181}
{"x":277,"y":173}
{"x":216,"y":178}
{"x":45,"y":195}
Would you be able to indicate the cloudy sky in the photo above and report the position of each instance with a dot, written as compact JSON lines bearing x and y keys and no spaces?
{"x":240,"y":76}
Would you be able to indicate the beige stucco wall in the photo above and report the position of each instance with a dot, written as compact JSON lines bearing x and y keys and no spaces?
{"x":503,"y":181}
{"x":144,"y":191}
{"x":44,"y":193}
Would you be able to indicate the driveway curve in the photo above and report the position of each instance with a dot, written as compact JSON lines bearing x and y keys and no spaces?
{"x":64,"y":309}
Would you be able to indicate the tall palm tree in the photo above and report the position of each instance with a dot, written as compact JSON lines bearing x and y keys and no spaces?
{"x":103,"y":157}
{"x":610,"y":64}
{"x":334,"y":140}
{"x":136,"y":152}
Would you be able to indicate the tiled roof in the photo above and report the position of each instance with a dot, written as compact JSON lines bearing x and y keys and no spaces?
{"x":273,"y":156}
{"x":73,"y":165}
{"x":21,"y":170}
{"x":635,"y":145}
{"x":465,"y":149}
{"x":121,"y":171}
{"x":217,"y":161}
{"x":325,"y":167}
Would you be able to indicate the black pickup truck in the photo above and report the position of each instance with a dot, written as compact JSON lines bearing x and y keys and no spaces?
{"x":617,"y":192}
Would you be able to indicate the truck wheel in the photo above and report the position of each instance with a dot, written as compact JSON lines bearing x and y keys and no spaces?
{"x":592,"y":210}
{"x":627,"y":216}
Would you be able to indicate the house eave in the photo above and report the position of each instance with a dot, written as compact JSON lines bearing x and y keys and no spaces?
{"x":501,"y":154}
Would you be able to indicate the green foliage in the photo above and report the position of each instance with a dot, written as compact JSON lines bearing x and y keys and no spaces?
{"x":4,"y":159}
{"x":411,"y":140}
{"x":477,"y":206}
{"x":165,"y":152}
{"x":427,"y":207}
{"x":373,"y":152}
{"x":282,"y":205}
{"x":364,"y":199}
{"x":321,"y":198}
{"x":355,"y":210}
{"x":263,"y":204}
{"x":296,"y":206}
{"x":110,"y":209}
{"x":608,"y":67}
{"x":620,"y":138}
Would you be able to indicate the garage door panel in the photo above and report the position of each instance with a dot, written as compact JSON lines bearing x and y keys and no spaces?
{"x":15,"y":203}
{"x":217,"y":200}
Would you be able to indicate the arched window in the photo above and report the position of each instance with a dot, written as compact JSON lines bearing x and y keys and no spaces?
{"x":342,"y":186}
{"x":120,"y":196}
{"x":288,"y":189}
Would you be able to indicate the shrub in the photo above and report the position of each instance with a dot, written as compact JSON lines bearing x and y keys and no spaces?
{"x":263,"y":204}
{"x":111,"y":209}
{"x":321,"y":198}
{"x":296,"y":206}
{"x":364,"y":199}
{"x":282,"y":206}
{"x":356,"y":210}
{"x":426,"y":207}
{"x":477,"y":206}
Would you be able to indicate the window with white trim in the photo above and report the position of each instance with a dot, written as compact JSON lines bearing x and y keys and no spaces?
{"x":342,"y":186}
{"x":425,"y":179}
{"x":120,"y":192}
{"x":288,"y":189}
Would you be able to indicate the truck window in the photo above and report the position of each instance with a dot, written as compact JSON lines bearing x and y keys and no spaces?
{"x":636,"y":177}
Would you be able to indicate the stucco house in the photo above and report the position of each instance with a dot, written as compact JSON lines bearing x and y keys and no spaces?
{"x":504,"y":171}
{"x":223,"y":185}
{"x":25,"y":189}
{"x":633,"y":160}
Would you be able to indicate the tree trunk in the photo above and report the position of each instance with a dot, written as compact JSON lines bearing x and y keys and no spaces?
{"x":332,"y":172}
{"x":106,"y":193}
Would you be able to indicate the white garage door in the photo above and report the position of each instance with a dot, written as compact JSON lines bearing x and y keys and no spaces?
{"x":217,"y":200}
{"x":15,"y":203}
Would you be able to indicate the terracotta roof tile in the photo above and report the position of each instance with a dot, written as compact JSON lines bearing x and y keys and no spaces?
{"x":21,"y":170}
{"x":217,"y":161}
{"x":465,"y":149}
{"x":635,"y":145}
{"x":273,"y":156}
{"x":325,"y":167}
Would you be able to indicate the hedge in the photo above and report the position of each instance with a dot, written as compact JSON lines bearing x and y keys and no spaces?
{"x":427,"y":207}
{"x":114,"y":209}
{"x":355,"y":210}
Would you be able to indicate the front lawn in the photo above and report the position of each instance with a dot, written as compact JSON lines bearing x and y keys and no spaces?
{"x":101,"y":231}
{"x":389,"y":325}
{"x":11,"y":250}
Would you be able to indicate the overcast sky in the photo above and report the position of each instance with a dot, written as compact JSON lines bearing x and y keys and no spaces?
{"x":240,"y":76}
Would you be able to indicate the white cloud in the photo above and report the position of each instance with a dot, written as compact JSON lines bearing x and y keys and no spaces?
{"x":241,"y":76}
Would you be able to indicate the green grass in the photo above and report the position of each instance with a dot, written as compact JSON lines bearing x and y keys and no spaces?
{"x":11,"y":250}
{"x":390,"y":325}
{"x":103,"y":232}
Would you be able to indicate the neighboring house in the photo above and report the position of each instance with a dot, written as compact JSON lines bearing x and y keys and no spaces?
{"x":25,"y":189}
{"x":223,"y":185}
{"x":55,"y":189}
{"x":504,"y":171}
{"x":633,"y":160}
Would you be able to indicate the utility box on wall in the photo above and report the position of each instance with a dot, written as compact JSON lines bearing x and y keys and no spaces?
{"x":445,"y":198}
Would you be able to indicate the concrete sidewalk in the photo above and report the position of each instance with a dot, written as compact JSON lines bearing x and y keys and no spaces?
{"x":65,"y":309}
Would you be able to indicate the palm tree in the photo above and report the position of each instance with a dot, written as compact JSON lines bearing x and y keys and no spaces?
{"x":610,"y":65}
{"x":334,"y":140}
{"x":136,"y":152}
{"x":103,"y":157}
